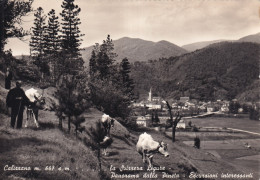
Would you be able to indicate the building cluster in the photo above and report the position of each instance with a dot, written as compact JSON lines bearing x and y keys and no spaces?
{"x":145,"y":111}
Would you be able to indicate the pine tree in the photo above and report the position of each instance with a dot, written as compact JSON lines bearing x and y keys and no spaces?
{"x":104,"y":60}
{"x":37,"y":39}
{"x":108,"y":47}
{"x":72,"y":91}
{"x":70,"y":28}
{"x":38,"y":42}
{"x":110,"y":84}
{"x":128,"y":83}
{"x":52,"y":34}
{"x":52,"y":44}
{"x":92,"y":64}
{"x":103,"y":65}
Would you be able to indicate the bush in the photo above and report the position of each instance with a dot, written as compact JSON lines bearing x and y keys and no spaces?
{"x":195,"y":129}
{"x":254,"y":113}
{"x":30,"y":73}
{"x":233,"y":107}
{"x":3,"y":108}
{"x":109,"y":99}
{"x":129,"y":122}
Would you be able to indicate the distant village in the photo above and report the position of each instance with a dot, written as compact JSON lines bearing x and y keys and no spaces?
{"x":154,"y":111}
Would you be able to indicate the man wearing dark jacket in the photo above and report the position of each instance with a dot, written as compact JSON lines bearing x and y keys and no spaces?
{"x":16,"y":99}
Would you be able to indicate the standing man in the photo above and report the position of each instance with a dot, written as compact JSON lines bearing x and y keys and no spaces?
{"x":16,"y":99}
{"x":8,"y":78}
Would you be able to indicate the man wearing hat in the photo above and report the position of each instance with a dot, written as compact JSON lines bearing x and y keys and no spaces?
{"x":16,"y":99}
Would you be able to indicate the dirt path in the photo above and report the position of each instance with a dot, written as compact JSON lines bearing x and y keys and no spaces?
{"x":240,"y":130}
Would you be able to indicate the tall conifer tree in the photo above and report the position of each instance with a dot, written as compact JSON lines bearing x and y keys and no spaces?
{"x":52,"y":34}
{"x":71,"y":37}
{"x":52,"y":44}
{"x":128,"y":84}
{"x":38,"y":43}
{"x":72,"y":91}
{"x":37,"y":39}
{"x":92,"y":64}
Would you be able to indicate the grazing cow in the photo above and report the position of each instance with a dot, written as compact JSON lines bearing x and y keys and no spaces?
{"x":107,"y":141}
{"x":146,"y":146}
{"x":107,"y":122}
{"x":37,"y":102}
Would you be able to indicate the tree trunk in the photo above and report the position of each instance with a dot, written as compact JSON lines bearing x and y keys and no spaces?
{"x":69,"y":124}
{"x":60,"y":123}
{"x":2,"y":40}
{"x":76,"y":130}
{"x":99,"y":160}
{"x":173,"y":132}
{"x":175,"y":122}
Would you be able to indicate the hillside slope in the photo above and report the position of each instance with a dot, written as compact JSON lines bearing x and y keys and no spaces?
{"x":199,"y":45}
{"x":48,"y":147}
{"x":255,"y":38}
{"x":59,"y":155}
{"x":219,"y":71}
{"x":139,"y":50}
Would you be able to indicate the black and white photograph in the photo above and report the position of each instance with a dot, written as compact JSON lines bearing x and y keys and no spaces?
{"x":129,"y":89}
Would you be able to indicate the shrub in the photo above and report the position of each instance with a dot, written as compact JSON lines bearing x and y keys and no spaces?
{"x":195,"y":129}
{"x":3,"y":108}
{"x":254,"y":113}
{"x":129,"y":122}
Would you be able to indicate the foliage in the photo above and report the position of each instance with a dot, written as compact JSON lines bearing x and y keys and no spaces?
{"x":102,"y":60}
{"x":110,"y":85}
{"x":51,"y":35}
{"x":221,"y":71}
{"x":109,"y":98}
{"x":37,"y":38}
{"x":38,"y":42}
{"x":254,"y":113}
{"x":11,"y":12}
{"x":72,"y":95}
{"x":70,"y":38}
{"x":128,"y":83}
{"x":52,"y":45}
{"x":233,"y":107}
{"x":155,"y":118}
{"x":72,"y":91}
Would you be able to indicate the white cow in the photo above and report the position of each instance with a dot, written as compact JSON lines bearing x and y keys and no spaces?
{"x":107,"y":122}
{"x":146,"y":146}
{"x":37,"y":102}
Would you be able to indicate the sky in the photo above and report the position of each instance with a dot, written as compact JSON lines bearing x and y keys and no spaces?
{"x":177,"y":21}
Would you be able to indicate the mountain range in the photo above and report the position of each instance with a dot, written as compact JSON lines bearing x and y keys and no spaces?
{"x":136,"y":49}
{"x":255,"y":38}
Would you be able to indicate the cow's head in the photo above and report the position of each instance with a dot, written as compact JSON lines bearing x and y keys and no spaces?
{"x":40,"y":102}
{"x":112,"y":122}
{"x":163,"y":149}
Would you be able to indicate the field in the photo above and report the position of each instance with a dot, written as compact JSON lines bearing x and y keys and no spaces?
{"x":228,"y":144}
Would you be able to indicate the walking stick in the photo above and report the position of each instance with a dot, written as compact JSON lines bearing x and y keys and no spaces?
{"x":16,"y":119}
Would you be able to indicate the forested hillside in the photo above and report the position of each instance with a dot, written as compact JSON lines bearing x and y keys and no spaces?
{"x":219,"y":71}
